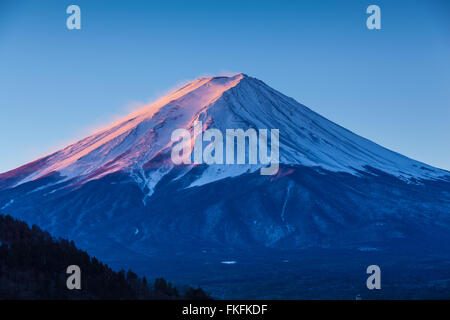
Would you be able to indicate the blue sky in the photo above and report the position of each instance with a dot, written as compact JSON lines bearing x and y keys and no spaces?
{"x":390,"y":85}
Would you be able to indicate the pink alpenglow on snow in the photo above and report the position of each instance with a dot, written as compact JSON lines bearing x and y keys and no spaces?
{"x":141,"y":143}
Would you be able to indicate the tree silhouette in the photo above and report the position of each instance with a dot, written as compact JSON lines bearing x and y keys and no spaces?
{"x":33,"y":266}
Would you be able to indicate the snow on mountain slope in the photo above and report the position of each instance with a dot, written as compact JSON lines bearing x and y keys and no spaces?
{"x":306,"y":138}
{"x":137,"y":138}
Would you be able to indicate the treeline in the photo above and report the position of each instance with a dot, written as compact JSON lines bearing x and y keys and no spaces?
{"x":33,"y":265}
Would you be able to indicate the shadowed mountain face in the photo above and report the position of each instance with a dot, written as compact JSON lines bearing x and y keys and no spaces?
{"x":118,"y":195}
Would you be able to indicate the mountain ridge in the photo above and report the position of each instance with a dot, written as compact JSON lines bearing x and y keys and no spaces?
{"x":223,"y":102}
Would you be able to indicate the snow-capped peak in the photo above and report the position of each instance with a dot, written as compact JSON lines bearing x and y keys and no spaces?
{"x":236,"y":102}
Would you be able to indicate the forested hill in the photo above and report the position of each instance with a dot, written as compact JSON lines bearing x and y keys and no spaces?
{"x":33,"y":266}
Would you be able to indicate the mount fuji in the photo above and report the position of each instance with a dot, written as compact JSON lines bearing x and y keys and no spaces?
{"x":336,"y":196}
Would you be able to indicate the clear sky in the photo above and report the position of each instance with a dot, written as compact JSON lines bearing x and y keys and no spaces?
{"x":390,"y":85}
